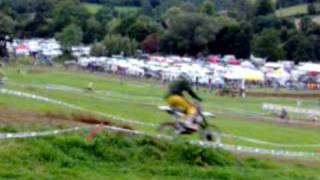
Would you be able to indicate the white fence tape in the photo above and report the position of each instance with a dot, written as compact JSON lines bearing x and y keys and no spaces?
{"x":256,"y":141}
{"x":298,"y":110}
{"x":231,"y":148}
{"x":5,"y":136}
{"x":71,"y":106}
{"x":261,"y":117}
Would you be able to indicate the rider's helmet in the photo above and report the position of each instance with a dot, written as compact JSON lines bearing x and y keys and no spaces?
{"x":184,"y":76}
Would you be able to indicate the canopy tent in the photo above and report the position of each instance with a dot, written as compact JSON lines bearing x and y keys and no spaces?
{"x":233,"y":75}
{"x":272,"y":65}
{"x":310,"y":67}
{"x":252,"y":75}
{"x":247,"y":64}
{"x":234,"y":62}
{"x":214,"y":59}
{"x":22,"y":49}
{"x":279,"y":74}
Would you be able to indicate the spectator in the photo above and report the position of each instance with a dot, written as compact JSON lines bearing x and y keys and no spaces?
{"x":210,"y":84}
{"x":277,"y":85}
{"x":197,"y":83}
{"x":284,"y":114}
{"x":243,"y":88}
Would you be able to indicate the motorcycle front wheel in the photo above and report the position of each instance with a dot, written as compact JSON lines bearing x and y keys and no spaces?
{"x":210,"y":133}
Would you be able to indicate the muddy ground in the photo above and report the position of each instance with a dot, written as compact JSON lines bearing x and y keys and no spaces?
{"x":16,"y":120}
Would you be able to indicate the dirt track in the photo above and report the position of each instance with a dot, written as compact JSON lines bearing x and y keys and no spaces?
{"x":24,"y":120}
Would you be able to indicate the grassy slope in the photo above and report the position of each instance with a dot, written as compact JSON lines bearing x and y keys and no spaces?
{"x":126,"y":9}
{"x":121,"y":157}
{"x":292,"y":11}
{"x":94,"y":8}
{"x":297,"y":10}
{"x":139,"y":100}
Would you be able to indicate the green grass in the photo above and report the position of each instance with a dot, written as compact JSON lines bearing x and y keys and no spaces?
{"x":92,"y":8}
{"x":293,"y":11}
{"x":126,"y":9}
{"x":138,"y":100}
{"x":122,"y":157}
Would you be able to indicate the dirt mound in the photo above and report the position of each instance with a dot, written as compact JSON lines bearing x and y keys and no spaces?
{"x":88,"y":119}
{"x":24,"y":120}
{"x":93,"y":120}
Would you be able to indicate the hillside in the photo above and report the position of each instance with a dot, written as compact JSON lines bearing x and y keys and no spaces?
{"x":123,"y":157}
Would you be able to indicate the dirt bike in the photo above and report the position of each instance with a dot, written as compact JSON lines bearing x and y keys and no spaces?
{"x":206,"y":131}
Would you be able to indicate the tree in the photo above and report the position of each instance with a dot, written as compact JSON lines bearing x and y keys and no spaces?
{"x":306,"y":25}
{"x":136,"y":27}
{"x":207,"y":7}
{"x":146,"y":8}
{"x":264,"y":22}
{"x":63,"y":14}
{"x":234,"y":40}
{"x":123,"y":25}
{"x":115,"y":44}
{"x":188,"y":6}
{"x":104,"y":15}
{"x":170,"y":14}
{"x":93,"y":32}
{"x":265,"y":7}
{"x":189,"y":33}
{"x":6,"y":24}
{"x":70,"y":36}
{"x":68,"y":12}
{"x":141,"y":28}
{"x":242,"y":10}
{"x":300,"y":48}
{"x":267,"y":44}
{"x":97,"y":49}
{"x":39,"y":23}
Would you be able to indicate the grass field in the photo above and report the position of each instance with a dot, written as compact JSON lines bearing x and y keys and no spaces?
{"x":292,"y":11}
{"x":138,"y":100}
{"x":126,"y":9}
{"x":94,"y":8}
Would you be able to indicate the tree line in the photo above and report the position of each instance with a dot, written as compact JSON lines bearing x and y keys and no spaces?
{"x":180,"y":27}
